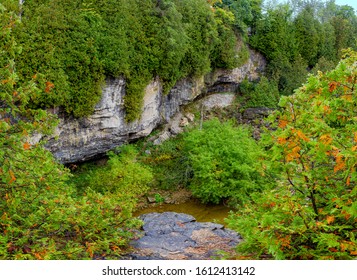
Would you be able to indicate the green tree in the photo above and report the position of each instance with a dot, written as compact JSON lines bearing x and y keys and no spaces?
{"x":262,"y":94}
{"x":246,"y":13}
{"x":307,"y":29}
{"x":223,"y":160}
{"x":274,"y":34}
{"x":312,"y":211}
{"x":295,"y":36}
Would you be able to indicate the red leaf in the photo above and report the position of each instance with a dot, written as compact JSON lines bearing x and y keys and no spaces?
{"x":332,"y":86}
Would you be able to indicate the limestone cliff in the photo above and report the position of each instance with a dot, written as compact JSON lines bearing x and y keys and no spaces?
{"x":82,"y":139}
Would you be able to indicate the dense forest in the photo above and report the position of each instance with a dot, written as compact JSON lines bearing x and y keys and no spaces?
{"x":294,"y":189}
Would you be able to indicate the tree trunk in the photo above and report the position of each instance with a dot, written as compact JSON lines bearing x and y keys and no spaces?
{"x":21,"y":3}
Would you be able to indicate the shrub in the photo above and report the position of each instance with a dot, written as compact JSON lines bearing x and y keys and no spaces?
{"x":223,"y":159}
{"x":262,"y":94}
{"x":123,"y":174}
{"x":168,"y":163}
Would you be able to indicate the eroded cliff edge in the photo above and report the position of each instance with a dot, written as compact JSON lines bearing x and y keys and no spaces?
{"x":81,"y":139}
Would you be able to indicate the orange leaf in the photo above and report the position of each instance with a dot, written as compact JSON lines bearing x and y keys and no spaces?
{"x":27,"y":146}
{"x":302,"y":136}
{"x":353,"y":253}
{"x":12,"y":175}
{"x":347,"y":97}
{"x":327,"y":109}
{"x":38,"y":256}
{"x":89,"y":249}
{"x":326,"y":139}
{"x":340,"y":164}
{"x":293,"y":154}
{"x":49,"y":87}
{"x":330,"y":219}
{"x":281,"y":140}
{"x":282,"y":123}
{"x":319,"y":224}
{"x":348,"y":182}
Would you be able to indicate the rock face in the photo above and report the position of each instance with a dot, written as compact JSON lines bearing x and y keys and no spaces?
{"x":228,"y":80}
{"x":77,"y":140}
{"x":255,"y":117}
{"x":218,"y":101}
{"x":174,"y":236}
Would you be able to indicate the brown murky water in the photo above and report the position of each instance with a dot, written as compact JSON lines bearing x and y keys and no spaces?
{"x":202,"y":212}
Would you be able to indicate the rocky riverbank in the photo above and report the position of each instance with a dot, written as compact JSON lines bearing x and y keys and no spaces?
{"x":177,"y":236}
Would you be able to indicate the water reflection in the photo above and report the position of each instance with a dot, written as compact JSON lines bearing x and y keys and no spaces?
{"x":202,"y":212}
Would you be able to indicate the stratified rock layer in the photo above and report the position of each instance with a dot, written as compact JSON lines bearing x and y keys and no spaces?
{"x":81,"y":139}
{"x":175,"y":236}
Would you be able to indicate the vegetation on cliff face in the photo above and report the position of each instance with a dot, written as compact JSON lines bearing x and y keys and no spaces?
{"x":297,"y":199}
{"x":73,"y":45}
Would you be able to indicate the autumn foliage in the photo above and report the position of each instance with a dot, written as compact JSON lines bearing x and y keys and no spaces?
{"x":311,"y":213}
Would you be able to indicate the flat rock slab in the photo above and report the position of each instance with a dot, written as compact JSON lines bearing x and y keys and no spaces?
{"x":176,"y":236}
{"x":218,"y":100}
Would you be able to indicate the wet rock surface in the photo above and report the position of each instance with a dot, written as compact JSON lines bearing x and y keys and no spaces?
{"x":176,"y":236}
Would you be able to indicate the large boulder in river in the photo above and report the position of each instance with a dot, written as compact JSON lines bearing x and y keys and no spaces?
{"x":176,"y":236}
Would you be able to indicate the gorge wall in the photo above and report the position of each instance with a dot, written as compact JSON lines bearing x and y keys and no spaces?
{"x":81,"y":139}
